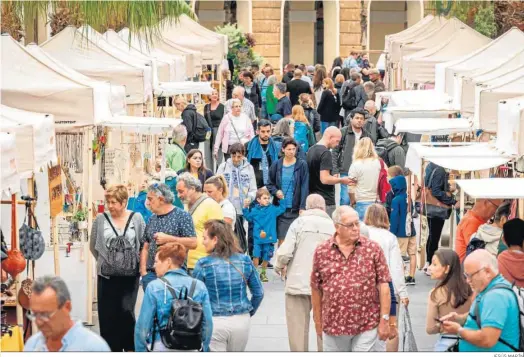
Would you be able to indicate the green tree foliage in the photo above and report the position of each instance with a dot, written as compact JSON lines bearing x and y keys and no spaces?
{"x":240,"y":48}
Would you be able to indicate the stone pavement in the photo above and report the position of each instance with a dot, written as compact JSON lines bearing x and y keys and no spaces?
{"x":268,"y":327}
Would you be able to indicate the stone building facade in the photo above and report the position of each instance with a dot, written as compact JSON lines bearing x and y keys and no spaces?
{"x":310,"y":32}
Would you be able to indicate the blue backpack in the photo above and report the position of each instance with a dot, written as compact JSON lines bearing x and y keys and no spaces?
{"x":301,"y":135}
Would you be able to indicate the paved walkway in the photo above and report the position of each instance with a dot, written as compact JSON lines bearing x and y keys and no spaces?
{"x":268,"y":327}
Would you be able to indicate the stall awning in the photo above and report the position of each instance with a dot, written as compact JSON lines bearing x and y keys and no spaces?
{"x":179,"y":88}
{"x":433,"y":126}
{"x":10,"y":181}
{"x":142,"y":125}
{"x":493,"y":188}
{"x":462,"y":157}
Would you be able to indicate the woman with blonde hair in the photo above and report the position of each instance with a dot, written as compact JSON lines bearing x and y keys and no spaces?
{"x":377,"y":222}
{"x":303,"y":132}
{"x":329,"y":106}
{"x":364,"y":172}
{"x":310,"y":112}
{"x":216,"y":188}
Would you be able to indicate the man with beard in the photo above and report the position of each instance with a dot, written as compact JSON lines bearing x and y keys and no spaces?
{"x":261,"y":152}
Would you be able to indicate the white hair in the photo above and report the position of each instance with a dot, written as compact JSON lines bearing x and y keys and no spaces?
{"x":315,"y":201}
{"x":179,"y":133}
{"x":239,"y":90}
{"x":190,"y":181}
{"x":342,"y":211}
{"x":369,"y":104}
{"x":485,"y":259}
{"x":236,"y":100}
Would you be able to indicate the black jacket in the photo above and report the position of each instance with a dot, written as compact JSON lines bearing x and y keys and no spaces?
{"x":287,"y":77}
{"x":255,"y":97}
{"x":343,"y":154}
{"x":301,"y":189}
{"x":189,"y":119}
{"x":396,"y":155}
{"x":328,"y":108}
{"x":439,"y":184}
{"x":374,"y":129}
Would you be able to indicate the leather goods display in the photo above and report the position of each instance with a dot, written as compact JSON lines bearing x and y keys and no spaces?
{"x":32,"y":242}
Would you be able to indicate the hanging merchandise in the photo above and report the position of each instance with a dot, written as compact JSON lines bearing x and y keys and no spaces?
{"x":32,"y":242}
{"x":69,"y":150}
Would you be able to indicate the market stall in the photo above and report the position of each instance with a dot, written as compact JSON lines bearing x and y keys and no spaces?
{"x":433,"y":126}
{"x":510,"y":127}
{"x":100,"y":62}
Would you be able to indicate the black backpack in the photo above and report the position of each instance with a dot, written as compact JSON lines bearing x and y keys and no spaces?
{"x":184,"y":326}
{"x":383,"y":153}
{"x":349,"y":97}
{"x":474,"y":244}
{"x":201,"y":128}
{"x":122,"y":258}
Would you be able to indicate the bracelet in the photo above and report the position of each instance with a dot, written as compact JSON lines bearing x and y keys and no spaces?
{"x":459,"y":332}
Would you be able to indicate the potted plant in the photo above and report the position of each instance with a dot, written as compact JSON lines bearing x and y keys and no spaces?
{"x":80,"y":218}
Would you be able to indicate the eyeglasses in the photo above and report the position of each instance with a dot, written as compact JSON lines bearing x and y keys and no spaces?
{"x":355,"y":224}
{"x":470,"y":276}
{"x":44,"y":316}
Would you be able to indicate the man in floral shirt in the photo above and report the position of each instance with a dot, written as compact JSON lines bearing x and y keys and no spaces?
{"x":349,"y":288}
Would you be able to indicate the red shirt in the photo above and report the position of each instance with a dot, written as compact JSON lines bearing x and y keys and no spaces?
{"x":469,"y":225}
{"x":350,"y":298}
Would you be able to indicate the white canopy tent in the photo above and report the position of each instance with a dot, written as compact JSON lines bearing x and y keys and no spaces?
{"x":488,"y":97}
{"x":420,"y":66}
{"x":462,"y":157}
{"x":466,"y":97}
{"x":510,"y":126}
{"x":176,"y":63}
{"x":101,"y":61}
{"x":10,"y":179}
{"x":180,"y":88}
{"x":493,"y":55}
{"x":394,"y":42}
{"x":114,"y":96}
{"x":35,"y":139}
{"x":432,"y":38}
{"x":493,"y":188}
{"x":433,"y":126}
{"x":211,"y":47}
{"x":29,"y":84}
{"x":414,"y":104}
{"x":185,"y":21}
{"x":162,"y":46}
{"x":142,"y":125}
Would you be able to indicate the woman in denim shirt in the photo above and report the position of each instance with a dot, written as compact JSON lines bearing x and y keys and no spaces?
{"x":157,"y":299}
{"x":228,"y":274}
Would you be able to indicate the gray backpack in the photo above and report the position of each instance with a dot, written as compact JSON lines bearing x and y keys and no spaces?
{"x":122,"y":258}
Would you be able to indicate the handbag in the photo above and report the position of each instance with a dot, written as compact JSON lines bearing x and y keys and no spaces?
{"x":433,"y":208}
{"x":32,"y":242}
{"x":408,"y":342}
{"x":242,"y":141}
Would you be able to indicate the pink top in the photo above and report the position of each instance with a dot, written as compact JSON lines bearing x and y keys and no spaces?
{"x":246,"y":133}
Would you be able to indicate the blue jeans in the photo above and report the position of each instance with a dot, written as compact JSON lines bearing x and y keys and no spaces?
{"x":263,"y":111}
{"x":344,"y":193}
{"x":361,"y":208}
{"x":146,"y":279}
{"x":325,"y":124}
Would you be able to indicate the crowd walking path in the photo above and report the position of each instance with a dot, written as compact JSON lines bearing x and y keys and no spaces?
{"x":268,"y":327}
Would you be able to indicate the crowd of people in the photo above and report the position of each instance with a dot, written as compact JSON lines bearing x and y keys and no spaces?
{"x":261,"y":188}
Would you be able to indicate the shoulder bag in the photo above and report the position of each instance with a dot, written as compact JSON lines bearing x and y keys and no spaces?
{"x":432,"y":207}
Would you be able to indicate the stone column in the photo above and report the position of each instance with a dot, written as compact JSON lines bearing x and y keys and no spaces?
{"x":350,"y":28}
{"x":267,"y":31}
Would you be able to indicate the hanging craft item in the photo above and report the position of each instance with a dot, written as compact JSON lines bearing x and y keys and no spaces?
{"x":56,"y":193}
{"x":69,"y":150}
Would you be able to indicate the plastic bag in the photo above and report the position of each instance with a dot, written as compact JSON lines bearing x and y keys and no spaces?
{"x":407,"y":341}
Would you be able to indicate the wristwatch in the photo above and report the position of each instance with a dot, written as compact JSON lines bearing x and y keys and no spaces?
{"x":385,"y":317}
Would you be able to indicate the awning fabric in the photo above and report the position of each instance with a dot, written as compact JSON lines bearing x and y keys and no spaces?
{"x":433,"y":126}
{"x":469,"y":157}
{"x":510,"y":126}
{"x":186,"y":21}
{"x":35,"y":138}
{"x":101,"y":61}
{"x":143,"y":125}
{"x":10,"y":180}
{"x":179,"y":88}
{"x":493,"y":188}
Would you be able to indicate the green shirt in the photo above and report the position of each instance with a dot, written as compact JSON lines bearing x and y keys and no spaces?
{"x":271,"y":101}
{"x":175,"y":157}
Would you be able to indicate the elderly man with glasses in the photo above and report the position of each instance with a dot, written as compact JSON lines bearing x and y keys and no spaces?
{"x":168,"y":224}
{"x":50,"y":308}
{"x":350,"y":288}
{"x":493,"y":323}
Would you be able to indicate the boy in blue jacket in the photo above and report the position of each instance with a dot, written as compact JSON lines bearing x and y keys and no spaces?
{"x":263,"y":216}
{"x":399,"y":213}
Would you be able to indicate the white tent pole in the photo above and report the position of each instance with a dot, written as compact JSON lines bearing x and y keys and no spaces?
{"x":88,"y":256}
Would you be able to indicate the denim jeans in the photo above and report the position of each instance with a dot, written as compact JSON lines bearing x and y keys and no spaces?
{"x":325,"y":124}
{"x":361,"y":208}
{"x":263,"y":111}
{"x":344,"y":193}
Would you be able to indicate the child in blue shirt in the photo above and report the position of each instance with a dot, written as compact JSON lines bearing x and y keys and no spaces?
{"x":263,"y":216}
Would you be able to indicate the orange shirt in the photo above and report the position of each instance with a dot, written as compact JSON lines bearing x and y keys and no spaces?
{"x":468,"y":226}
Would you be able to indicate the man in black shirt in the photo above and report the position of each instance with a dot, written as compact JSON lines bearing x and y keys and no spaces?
{"x":297,"y":86}
{"x":320,"y":165}
{"x":261,"y":152}
{"x":288,"y":76}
